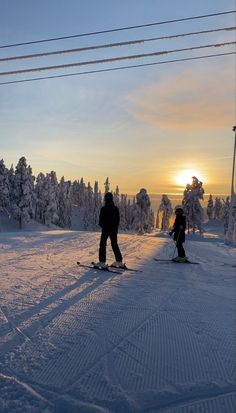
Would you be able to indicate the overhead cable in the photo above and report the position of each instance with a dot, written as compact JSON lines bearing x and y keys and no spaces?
{"x":116,"y":68}
{"x":113,"y":59}
{"x":109,"y":45}
{"x":52,"y":39}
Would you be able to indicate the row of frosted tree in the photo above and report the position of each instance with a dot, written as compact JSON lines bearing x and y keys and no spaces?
{"x":194,"y":212}
{"x":44,"y":199}
{"x":52,"y":202}
{"x":135,"y":215}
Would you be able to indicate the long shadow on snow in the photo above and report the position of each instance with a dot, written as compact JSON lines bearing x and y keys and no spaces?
{"x":44,"y":320}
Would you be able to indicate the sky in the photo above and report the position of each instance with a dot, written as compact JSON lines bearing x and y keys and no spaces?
{"x":150,"y":126}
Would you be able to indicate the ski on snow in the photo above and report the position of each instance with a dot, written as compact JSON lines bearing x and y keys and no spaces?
{"x":124,"y":268}
{"x":95,"y":267}
{"x":110,"y":268}
{"x":174,"y":262}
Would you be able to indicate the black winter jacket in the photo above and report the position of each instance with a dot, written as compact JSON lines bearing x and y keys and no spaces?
{"x":109,"y":218}
{"x":179,"y":228}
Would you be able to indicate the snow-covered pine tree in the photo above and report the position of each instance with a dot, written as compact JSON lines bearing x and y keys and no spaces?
{"x":75,"y":192}
{"x":79,"y":193}
{"x":116,"y":196}
{"x":210,"y":207}
{"x":123,"y":212}
{"x":135,"y":215}
{"x":225,"y":214}
{"x":41,"y":198}
{"x":64,"y":203}
{"x":82,"y":193}
{"x":129,"y":214}
{"x":97,"y":204}
{"x":217,"y":208}
{"x":143,"y":210}
{"x":151,"y":220}
{"x":165,"y":211}
{"x":51,"y":188}
{"x":230,"y":236}
{"x":88,"y":220}
{"x":69,"y":204}
{"x":192,"y":207}
{"x":11,"y":182}
{"x":23,"y":193}
{"x":4,"y":189}
{"x":106,"y":186}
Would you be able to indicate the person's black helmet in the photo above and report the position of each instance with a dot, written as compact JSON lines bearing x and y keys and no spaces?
{"x":179,"y":209}
{"x":108,"y":197}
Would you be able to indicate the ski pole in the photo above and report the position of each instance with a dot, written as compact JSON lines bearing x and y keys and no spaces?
{"x":176,"y":244}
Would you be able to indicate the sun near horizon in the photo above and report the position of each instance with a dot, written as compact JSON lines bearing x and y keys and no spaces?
{"x":185,"y":176}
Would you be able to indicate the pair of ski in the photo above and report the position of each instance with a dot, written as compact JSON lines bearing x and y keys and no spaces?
{"x":164,"y":260}
{"x":114,"y":270}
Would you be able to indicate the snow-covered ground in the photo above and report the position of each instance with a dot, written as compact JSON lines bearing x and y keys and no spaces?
{"x":78,"y":340}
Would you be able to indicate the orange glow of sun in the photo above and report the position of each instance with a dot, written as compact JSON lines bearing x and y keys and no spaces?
{"x":185,"y":177}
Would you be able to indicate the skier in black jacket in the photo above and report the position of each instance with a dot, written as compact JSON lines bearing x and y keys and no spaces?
{"x":179,"y":233}
{"x":109,"y":220}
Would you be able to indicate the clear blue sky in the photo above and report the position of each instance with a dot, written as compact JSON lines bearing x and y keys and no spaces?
{"x":141,"y":127}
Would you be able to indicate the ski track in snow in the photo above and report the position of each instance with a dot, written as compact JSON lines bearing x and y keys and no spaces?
{"x":73,"y":339}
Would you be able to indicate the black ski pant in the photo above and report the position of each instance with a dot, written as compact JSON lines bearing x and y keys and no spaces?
{"x":180,"y":248}
{"x":103,"y":243}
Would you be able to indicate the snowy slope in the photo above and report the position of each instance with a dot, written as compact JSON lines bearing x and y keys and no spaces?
{"x":79,"y":340}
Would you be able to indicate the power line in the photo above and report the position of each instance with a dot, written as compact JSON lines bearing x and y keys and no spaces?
{"x":109,"y":45}
{"x":116,"y":68}
{"x":52,"y":39}
{"x":113,"y":59}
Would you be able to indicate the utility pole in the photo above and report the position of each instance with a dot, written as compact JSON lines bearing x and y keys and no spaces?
{"x":229,"y":235}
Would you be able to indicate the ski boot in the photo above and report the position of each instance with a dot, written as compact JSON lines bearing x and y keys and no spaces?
{"x":180,"y":259}
{"x":101,"y":265}
{"x":118,"y":264}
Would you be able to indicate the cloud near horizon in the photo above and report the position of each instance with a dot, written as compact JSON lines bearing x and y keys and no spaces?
{"x":196,"y":98}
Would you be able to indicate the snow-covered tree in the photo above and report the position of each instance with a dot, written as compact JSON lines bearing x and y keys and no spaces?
{"x":123,"y":212}
{"x":82,"y":193}
{"x":64,"y":203}
{"x":210,"y":207}
{"x":129,"y":215}
{"x":106,"y":186}
{"x":23,"y":193}
{"x":165,"y":210}
{"x":141,"y":214}
{"x":151,"y":219}
{"x":75,"y":192}
{"x":41,"y":198}
{"x":89,"y":208}
{"x":191,"y":203}
{"x":4,"y":189}
{"x":116,"y":196}
{"x":217,"y":208}
{"x":225,"y":213}
{"x":79,"y":192}
{"x":136,"y":218}
{"x":51,"y":187}
{"x":230,"y":236}
{"x":97,"y":204}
